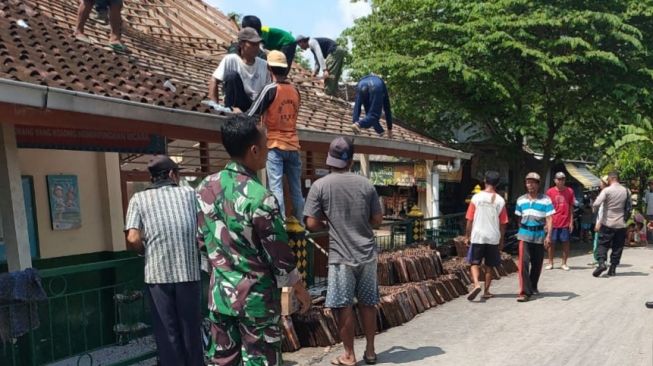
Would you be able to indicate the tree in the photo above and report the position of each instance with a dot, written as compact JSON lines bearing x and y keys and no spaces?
{"x":556,"y":74}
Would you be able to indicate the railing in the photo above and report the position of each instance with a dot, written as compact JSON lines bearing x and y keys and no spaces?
{"x":89,"y":307}
{"x":395,"y":235}
{"x":83,"y":314}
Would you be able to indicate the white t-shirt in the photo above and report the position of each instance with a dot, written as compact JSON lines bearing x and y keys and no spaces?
{"x":254,"y":77}
{"x":488,"y":210}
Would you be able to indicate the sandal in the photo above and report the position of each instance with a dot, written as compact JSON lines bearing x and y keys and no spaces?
{"x":118,"y":47}
{"x":487,"y":296}
{"x":339,"y":362}
{"x":472,"y":295}
{"x":523,"y":298}
{"x":83,"y":38}
{"x":369,"y":360}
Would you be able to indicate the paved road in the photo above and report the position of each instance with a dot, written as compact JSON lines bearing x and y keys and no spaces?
{"x":580,"y":320}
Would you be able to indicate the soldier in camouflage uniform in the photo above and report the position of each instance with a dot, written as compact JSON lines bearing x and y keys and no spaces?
{"x":242,"y":229}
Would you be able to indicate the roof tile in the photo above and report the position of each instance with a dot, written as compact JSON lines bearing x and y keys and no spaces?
{"x":177,"y":40}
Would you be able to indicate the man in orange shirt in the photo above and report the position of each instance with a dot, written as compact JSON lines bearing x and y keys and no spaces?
{"x":278,"y":104}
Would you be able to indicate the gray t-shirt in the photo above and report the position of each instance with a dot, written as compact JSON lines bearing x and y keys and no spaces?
{"x":347,"y":201}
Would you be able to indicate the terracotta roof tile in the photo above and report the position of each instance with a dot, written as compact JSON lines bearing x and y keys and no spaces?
{"x":177,"y":40}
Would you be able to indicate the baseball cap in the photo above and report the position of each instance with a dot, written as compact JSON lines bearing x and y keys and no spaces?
{"x":341,"y":151}
{"x":560,"y":175}
{"x":161,"y":163}
{"x":277,"y":59}
{"x":533,"y":176}
{"x":301,"y":37}
{"x":249,"y":34}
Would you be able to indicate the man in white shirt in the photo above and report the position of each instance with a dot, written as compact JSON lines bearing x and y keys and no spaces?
{"x":244,"y":75}
{"x":486,"y":224}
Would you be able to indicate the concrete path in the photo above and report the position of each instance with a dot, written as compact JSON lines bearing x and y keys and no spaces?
{"x":579,"y":320}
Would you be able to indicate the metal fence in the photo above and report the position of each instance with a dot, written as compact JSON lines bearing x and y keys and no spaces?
{"x":395,"y":235}
{"x":89,"y":307}
{"x":97,"y":305}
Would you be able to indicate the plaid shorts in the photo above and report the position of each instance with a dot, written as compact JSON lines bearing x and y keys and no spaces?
{"x":348,"y":282}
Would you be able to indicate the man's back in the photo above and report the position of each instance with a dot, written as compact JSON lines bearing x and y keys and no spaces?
{"x":167,"y":220}
{"x":614,"y":201}
{"x":347,"y":201}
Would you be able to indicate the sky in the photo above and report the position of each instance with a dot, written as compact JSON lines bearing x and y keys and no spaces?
{"x":316,"y":18}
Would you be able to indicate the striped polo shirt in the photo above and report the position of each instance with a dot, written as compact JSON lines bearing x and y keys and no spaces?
{"x":167,"y":220}
{"x":533,"y":213}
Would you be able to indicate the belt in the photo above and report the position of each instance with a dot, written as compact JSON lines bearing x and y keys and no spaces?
{"x":532,"y":228}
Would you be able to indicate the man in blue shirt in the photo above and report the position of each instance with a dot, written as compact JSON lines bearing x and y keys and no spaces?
{"x":372,"y":94}
{"x":535,"y":225}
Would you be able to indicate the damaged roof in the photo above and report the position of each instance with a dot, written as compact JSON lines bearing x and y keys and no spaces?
{"x":173,"y":48}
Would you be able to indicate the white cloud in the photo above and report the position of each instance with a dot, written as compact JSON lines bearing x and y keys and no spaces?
{"x":352,"y":11}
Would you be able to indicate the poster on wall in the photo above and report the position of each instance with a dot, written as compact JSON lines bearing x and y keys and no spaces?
{"x":63,"y":192}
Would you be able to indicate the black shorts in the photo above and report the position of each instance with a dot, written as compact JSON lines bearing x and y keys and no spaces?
{"x":488,"y":253}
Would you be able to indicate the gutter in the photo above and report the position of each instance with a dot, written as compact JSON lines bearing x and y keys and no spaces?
{"x":47,"y":98}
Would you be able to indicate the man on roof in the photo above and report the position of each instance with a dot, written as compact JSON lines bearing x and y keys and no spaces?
{"x":273,"y":39}
{"x":329,"y":57}
{"x":243,"y":74}
{"x":372,"y":94}
{"x":115,"y":21}
{"x":278,"y":104}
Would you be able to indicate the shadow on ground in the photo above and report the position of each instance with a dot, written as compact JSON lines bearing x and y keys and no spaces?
{"x":399,"y":354}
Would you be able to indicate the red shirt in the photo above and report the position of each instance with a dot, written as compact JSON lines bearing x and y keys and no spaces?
{"x":562,"y":202}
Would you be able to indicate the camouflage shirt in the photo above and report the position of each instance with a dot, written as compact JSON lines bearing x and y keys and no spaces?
{"x":241,"y":227}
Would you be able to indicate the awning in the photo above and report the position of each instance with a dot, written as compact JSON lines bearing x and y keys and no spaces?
{"x":583,"y":175}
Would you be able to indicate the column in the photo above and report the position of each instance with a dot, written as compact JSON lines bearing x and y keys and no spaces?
{"x":365,"y":165}
{"x":12,"y":202}
{"x":109,"y":174}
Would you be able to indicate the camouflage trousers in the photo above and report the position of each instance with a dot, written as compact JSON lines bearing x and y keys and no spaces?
{"x":244,"y":341}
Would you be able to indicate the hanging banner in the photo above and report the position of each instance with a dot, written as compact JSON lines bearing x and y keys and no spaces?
{"x":34,"y":137}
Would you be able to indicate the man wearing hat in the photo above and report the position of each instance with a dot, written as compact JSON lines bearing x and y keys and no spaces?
{"x":535,"y":211}
{"x":329,"y":57}
{"x":348,"y":205}
{"x":243,"y":74}
{"x":278,"y":104}
{"x":273,"y":39}
{"x":161,"y":224}
{"x":563,"y":220}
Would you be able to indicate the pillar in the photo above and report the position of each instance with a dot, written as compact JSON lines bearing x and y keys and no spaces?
{"x":111,"y":190}
{"x":365,"y":165}
{"x":12,"y":203}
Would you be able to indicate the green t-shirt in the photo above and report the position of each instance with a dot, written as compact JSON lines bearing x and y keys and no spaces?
{"x":275,"y":38}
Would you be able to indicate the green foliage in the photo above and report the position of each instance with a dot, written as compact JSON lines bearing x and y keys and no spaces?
{"x":301,"y":60}
{"x":563,"y":74}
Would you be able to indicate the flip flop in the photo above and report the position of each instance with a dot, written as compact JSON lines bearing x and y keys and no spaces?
{"x":338,"y":362}
{"x":118,"y":47}
{"x":487,"y":296}
{"x":472,"y":295}
{"x":83,"y":38}
{"x":369,"y":360}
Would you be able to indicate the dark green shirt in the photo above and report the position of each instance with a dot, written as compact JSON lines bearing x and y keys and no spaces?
{"x":242,"y":229}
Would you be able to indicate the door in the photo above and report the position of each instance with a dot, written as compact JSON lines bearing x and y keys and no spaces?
{"x":30,"y":213}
